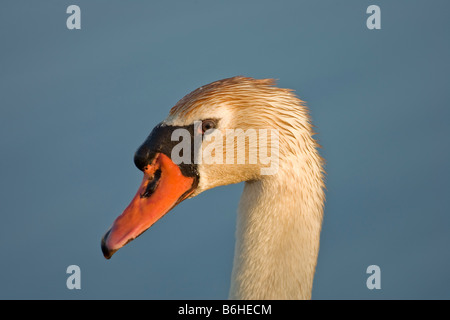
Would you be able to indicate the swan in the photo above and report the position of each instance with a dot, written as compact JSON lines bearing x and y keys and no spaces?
{"x":279,"y":214}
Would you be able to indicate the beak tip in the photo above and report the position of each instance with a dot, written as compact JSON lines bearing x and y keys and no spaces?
{"x":107,"y":252}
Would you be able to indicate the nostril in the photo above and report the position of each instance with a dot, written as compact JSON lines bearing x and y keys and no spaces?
{"x":152,"y":185}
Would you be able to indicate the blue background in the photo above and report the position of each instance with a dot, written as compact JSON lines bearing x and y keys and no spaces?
{"x":75,"y":105}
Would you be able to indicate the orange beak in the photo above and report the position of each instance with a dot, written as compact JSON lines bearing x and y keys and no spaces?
{"x":162,"y":188}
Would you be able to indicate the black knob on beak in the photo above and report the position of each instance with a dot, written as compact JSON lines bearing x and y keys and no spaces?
{"x":151,"y":147}
{"x":142,"y":157}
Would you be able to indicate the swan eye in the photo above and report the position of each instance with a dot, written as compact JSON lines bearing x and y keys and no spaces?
{"x":208,"y":125}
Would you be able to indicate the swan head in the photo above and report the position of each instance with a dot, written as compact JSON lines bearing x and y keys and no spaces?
{"x":226,"y":132}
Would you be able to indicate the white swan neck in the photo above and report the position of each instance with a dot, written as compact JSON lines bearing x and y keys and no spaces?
{"x":277,"y":237}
